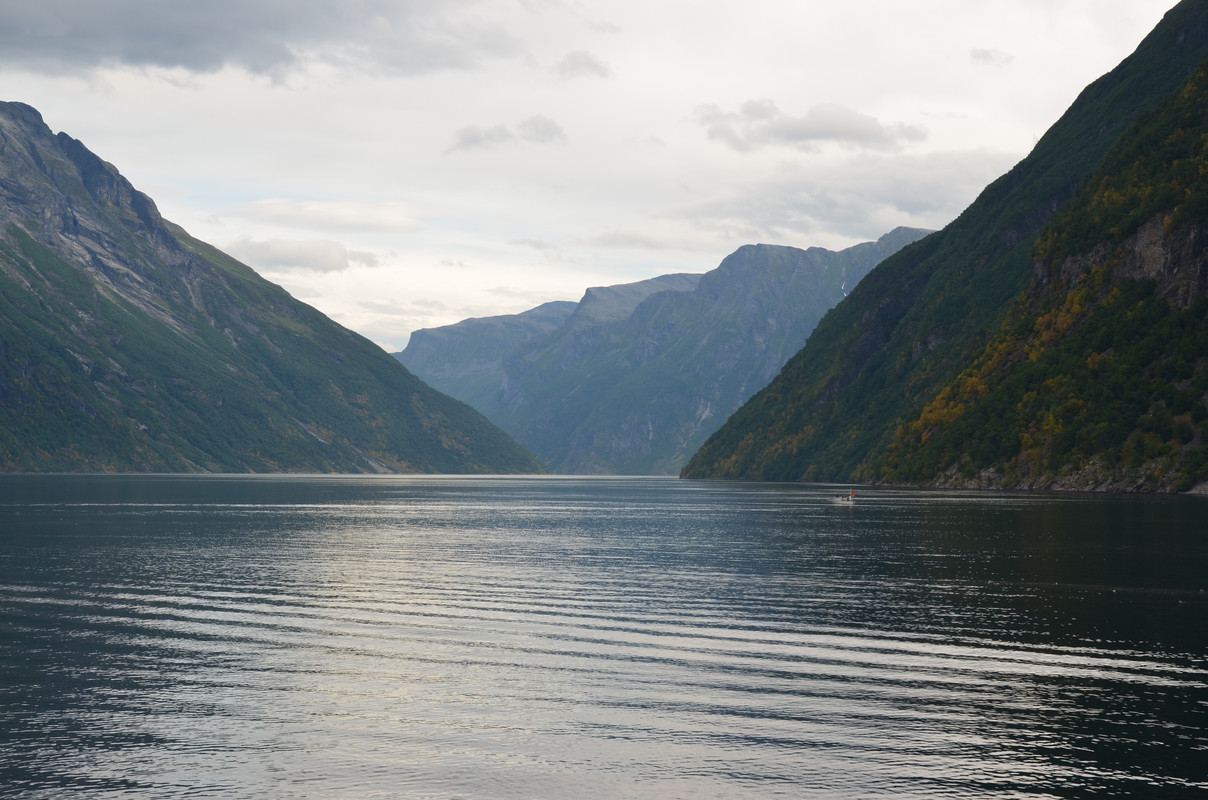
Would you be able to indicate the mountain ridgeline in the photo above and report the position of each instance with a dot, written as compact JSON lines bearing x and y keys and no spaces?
{"x":1055,"y":335}
{"x":126,"y":345}
{"x":633,"y":378}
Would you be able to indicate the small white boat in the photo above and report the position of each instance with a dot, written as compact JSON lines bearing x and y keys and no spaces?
{"x":845,"y":498}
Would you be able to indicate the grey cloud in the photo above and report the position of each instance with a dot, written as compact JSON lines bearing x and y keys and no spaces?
{"x":537,"y":129}
{"x":541,"y":130}
{"x":268,"y":37}
{"x":476,"y":137}
{"x":287,"y":254}
{"x":582,"y":64}
{"x":991,"y":58}
{"x":760,"y":123}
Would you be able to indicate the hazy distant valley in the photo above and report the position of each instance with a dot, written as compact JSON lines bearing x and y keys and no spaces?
{"x":634,"y":378}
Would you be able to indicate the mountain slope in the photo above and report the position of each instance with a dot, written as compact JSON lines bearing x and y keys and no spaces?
{"x":126,"y":345}
{"x":637,"y":392}
{"x":465,"y":360}
{"x":923,"y":316}
{"x":1098,"y":378}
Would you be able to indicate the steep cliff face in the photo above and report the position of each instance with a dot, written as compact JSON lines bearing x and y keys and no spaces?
{"x":891,"y":356}
{"x":126,"y":345}
{"x":633,"y":381}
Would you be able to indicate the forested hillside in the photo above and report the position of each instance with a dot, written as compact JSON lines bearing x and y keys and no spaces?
{"x":1099,"y":375}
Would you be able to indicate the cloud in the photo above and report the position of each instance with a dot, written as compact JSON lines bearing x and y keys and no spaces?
{"x":541,"y":130}
{"x":284,"y":254}
{"x":537,"y":129}
{"x":990,"y":58}
{"x":582,"y":64}
{"x":476,"y":137}
{"x":327,"y":215}
{"x":760,"y":123}
{"x":269,"y":37}
{"x":548,"y":249}
{"x":861,"y":198}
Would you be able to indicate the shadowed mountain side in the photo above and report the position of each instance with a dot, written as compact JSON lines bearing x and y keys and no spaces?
{"x":127,"y":345}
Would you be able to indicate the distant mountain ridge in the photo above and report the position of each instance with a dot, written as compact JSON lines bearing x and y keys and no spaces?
{"x":466,"y":359}
{"x":127,"y":345}
{"x":1023,"y":345}
{"x":636,"y":391}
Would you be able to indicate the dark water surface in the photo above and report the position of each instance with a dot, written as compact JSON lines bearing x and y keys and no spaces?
{"x":289,"y":637}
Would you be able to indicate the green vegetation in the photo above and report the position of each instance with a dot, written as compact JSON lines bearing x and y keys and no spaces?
{"x":1115,"y":399}
{"x":1159,"y":168}
{"x":878,"y":361}
{"x":1095,"y":372}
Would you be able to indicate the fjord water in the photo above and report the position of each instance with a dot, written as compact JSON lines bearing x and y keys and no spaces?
{"x":318,"y":637}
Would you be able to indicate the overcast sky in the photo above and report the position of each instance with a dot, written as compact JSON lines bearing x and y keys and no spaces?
{"x":410,"y":163}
